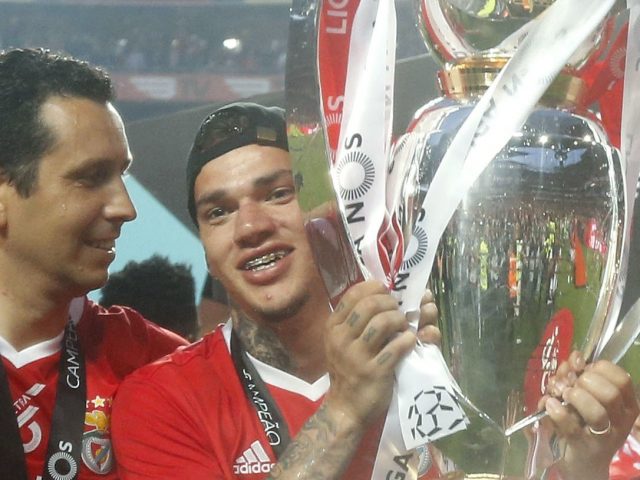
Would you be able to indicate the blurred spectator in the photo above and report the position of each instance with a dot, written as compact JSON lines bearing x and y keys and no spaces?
{"x":162,"y":291}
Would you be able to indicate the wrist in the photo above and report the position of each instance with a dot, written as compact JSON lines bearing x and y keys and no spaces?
{"x":346,"y":422}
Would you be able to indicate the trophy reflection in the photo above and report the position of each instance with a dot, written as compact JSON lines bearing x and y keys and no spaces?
{"x":526,"y":268}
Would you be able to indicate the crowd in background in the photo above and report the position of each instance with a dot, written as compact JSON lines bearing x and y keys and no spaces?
{"x":147,"y":39}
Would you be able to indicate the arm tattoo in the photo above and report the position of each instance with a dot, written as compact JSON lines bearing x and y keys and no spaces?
{"x":261,"y":343}
{"x":316,"y":453}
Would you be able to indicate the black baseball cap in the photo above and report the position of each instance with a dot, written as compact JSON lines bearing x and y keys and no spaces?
{"x":233,"y":126}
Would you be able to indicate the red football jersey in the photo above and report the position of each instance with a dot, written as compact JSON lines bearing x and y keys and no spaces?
{"x":188,"y":416}
{"x":626,"y":463}
{"x":115,"y":342}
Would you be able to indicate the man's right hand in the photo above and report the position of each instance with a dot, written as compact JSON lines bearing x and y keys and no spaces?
{"x":367,"y":336}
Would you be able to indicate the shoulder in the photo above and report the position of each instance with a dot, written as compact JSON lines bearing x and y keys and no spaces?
{"x":123,"y":320}
{"x":187,"y":382}
{"x":124,"y":336}
{"x":208,"y":356}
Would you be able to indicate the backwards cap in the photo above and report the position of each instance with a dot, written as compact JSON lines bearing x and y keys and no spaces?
{"x":233,"y":126}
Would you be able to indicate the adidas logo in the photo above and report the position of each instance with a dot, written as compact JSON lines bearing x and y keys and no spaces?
{"x":253,"y":460}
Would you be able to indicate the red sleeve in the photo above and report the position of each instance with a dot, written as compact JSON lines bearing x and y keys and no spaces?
{"x":155,"y":436}
{"x":128,"y":339}
{"x":157,"y":341}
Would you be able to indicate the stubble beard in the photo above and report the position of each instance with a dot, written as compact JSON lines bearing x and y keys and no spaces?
{"x":276,"y":315}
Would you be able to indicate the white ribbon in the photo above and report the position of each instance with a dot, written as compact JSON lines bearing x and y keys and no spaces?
{"x":360,"y":172}
{"x":367,"y":201}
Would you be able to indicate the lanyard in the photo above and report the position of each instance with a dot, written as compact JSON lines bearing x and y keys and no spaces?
{"x":272,"y":421}
{"x":67,"y":425}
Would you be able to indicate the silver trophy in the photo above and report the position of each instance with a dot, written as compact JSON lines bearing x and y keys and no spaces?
{"x":527,"y":266}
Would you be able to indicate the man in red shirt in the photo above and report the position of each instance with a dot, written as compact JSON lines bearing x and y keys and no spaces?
{"x":288,"y":388}
{"x":63,"y":153}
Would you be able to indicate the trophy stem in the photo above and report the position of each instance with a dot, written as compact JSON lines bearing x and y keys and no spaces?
{"x":473,"y":76}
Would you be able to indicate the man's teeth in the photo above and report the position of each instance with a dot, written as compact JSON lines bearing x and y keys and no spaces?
{"x":265,"y":261}
{"x":108,"y":246}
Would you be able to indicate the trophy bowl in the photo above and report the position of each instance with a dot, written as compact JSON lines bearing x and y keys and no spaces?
{"x":525,"y":270}
{"x":457,"y":31}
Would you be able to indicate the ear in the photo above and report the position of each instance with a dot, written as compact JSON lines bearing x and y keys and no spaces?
{"x":206,"y":262}
{"x":6,"y":192}
{"x":210,"y":269}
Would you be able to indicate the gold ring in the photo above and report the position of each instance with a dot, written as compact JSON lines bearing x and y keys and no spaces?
{"x":604,"y":431}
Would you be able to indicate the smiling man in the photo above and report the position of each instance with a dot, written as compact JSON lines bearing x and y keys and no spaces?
{"x":63,"y":154}
{"x":287,"y":388}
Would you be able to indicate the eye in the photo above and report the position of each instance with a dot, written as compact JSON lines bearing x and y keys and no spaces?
{"x":216,"y":215}
{"x":282,"y":194}
{"x":95,"y":176}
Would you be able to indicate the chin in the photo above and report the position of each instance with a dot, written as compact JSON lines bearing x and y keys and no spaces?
{"x":93,"y":282}
{"x":282,"y":312}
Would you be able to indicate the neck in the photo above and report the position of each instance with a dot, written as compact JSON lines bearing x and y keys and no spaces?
{"x":293,"y":345}
{"x":24,"y":326}
{"x":29,"y":314}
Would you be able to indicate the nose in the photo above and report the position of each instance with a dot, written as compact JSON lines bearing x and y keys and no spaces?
{"x":120,"y":207}
{"x":253,"y":224}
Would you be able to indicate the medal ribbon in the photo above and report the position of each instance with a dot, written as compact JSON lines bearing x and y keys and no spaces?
{"x":275,"y":427}
{"x":67,"y":425}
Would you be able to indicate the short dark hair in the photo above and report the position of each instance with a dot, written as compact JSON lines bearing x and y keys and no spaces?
{"x":28,"y":78}
{"x":162,"y":291}
{"x":233,"y":126}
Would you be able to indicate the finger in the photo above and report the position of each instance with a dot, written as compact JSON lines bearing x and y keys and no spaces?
{"x":577,"y":362}
{"x":612,"y":387}
{"x":381,"y":329}
{"x":427,"y":297}
{"x":563,"y":379}
{"x":368,"y":308}
{"x":618,"y":377}
{"x":567,"y":422}
{"x":352,"y":297}
{"x":566,"y":375}
{"x":428,"y":315}
{"x":395,"y":350}
{"x":430,"y":334}
{"x":591,"y":411}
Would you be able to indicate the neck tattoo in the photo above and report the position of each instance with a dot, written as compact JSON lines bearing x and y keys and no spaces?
{"x":262,"y":343}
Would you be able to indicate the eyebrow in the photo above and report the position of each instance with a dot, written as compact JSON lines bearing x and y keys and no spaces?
{"x":271,"y":178}
{"x":97,"y":162}
{"x":260,"y":182}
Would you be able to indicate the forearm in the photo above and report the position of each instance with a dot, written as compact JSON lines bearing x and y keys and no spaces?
{"x":322,"y":449}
